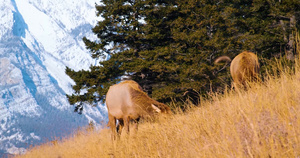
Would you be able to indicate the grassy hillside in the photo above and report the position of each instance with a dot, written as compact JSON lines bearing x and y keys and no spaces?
{"x":261,"y":122}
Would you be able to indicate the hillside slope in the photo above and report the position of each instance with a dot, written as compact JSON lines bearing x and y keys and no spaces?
{"x":261,"y":122}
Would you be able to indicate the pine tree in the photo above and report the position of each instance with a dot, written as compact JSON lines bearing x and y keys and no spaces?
{"x":169,"y":47}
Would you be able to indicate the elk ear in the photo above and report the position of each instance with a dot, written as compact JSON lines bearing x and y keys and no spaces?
{"x":156,"y":108}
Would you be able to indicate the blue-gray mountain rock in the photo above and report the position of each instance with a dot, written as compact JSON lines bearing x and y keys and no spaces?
{"x":38,"y":39}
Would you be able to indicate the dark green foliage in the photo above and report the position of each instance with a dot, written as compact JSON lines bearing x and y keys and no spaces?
{"x":173,"y":50}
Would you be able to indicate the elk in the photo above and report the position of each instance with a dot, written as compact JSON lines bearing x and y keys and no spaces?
{"x":127,"y":102}
{"x":243,"y":68}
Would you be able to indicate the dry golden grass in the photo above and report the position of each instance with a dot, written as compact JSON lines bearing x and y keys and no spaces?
{"x":260,"y":122}
{"x":263,"y":121}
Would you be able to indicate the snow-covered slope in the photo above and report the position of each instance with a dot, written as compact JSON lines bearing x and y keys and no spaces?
{"x":38,"y":39}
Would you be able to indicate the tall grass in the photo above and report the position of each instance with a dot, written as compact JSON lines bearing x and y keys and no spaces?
{"x":263,"y":121}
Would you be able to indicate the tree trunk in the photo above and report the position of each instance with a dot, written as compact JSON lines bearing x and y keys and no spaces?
{"x":290,"y":44}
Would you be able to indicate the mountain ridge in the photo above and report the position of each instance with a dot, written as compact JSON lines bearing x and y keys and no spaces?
{"x":38,"y":39}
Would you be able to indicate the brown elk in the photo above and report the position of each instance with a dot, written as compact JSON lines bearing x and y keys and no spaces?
{"x":244,"y":67}
{"x":127,"y":102}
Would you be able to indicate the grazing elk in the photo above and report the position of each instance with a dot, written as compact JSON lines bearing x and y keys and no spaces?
{"x":127,"y":102}
{"x":244,"y":67}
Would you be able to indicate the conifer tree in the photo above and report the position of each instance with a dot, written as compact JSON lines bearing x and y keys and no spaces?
{"x":168,"y":47}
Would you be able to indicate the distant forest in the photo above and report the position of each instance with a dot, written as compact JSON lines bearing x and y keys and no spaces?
{"x":169,"y":46}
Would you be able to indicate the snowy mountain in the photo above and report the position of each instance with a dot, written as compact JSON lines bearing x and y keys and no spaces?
{"x":38,"y":39}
